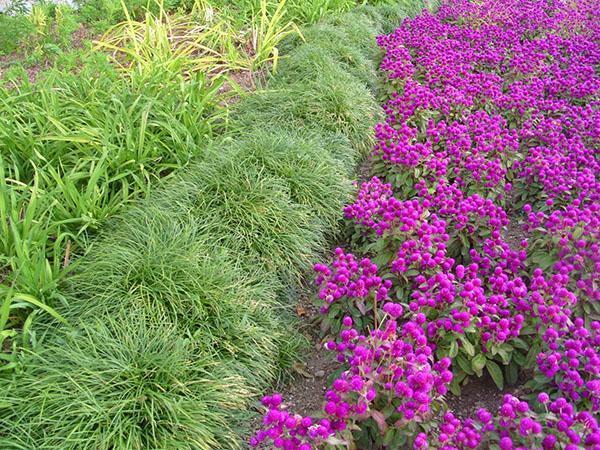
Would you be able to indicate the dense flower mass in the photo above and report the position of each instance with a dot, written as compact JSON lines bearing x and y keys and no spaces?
{"x":481,"y":224}
{"x":571,"y":360}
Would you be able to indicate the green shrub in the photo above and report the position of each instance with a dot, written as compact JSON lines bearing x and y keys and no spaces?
{"x":122,"y":382}
{"x":13,"y":31}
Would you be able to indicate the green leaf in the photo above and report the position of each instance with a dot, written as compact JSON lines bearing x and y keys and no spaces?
{"x":383,"y":258}
{"x":455,"y":387}
{"x":467,"y":346}
{"x":35,"y":302}
{"x":478,"y":362}
{"x":532,"y":355}
{"x":496,"y":373}
{"x":519,"y":358}
{"x":453,"y":349}
{"x":520,"y":343}
{"x":504,"y":355}
{"x":464,"y":364}
{"x":512,"y":373}
{"x":388,"y":411}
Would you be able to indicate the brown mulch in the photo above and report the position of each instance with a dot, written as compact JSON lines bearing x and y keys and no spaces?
{"x":304,"y":395}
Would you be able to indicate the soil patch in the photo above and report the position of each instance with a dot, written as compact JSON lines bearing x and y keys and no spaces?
{"x":304,"y":395}
{"x":481,"y":393}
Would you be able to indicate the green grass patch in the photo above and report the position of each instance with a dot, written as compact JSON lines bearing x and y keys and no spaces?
{"x":333,"y":101}
{"x":314,"y":177}
{"x":130,"y":382}
{"x":306,"y":60}
{"x":249,"y":211}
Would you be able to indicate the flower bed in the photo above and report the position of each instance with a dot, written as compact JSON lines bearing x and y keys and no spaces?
{"x":491,"y":123}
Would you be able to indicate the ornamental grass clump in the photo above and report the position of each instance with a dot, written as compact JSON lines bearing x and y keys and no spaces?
{"x":126,"y":381}
{"x":333,"y":101}
{"x":315,"y":178}
{"x":248,"y":211}
{"x":158,"y":262}
{"x":303,"y":62}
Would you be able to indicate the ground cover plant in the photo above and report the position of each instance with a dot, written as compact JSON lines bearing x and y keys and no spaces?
{"x":177,"y":315}
{"x":473,"y":247}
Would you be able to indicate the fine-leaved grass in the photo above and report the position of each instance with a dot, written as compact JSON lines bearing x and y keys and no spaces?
{"x":314,"y":177}
{"x":333,"y":101}
{"x":129,"y":382}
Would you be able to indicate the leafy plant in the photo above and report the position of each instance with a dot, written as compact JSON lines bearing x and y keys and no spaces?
{"x":75,"y":149}
{"x":268,"y":32}
{"x":174,"y":44}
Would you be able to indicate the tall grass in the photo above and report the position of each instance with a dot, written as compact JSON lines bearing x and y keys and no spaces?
{"x":207,"y":39}
{"x":267,"y":32}
{"x":175,"y":43}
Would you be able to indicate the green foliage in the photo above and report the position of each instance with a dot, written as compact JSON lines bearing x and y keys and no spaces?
{"x":360,"y":31}
{"x":269,"y":30}
{"x":161,"y":261}
{"x":74,"y":149}
{"x":311,"y":11}
{"x":13,"y":31}
{"x":314,"y":178}
{"x":304,"y":61}
{"x":332,"y":101}
{"x":250,"y":211}
{"x":40,"y":34}
{"x":388,"y":15}
{"x":129,"y":381}
{"x":102,"y":14}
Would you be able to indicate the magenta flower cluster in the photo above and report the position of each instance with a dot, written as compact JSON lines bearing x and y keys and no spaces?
{"x":571,"y":360}
{"x":389,"y":366}
{"x":481,"y":224}
{"x":354,"y":281}
{"x":392,"y":369}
